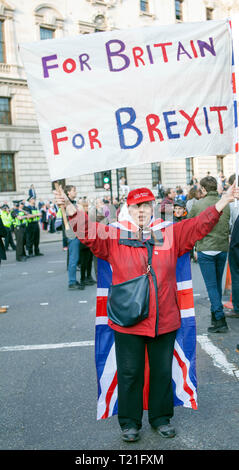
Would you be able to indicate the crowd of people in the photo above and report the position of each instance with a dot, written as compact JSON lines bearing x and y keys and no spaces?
{"x":206,"y":223}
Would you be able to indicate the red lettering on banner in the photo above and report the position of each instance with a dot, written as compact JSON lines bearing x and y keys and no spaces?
{"x":138,"y":56}
{"x":191,"y":122}
{"x":72,"y":65}
{"x":152,"y":127}
{"x":218,"y":109}
{"x":55,"y":139}
{"x":193,"y":49}
{"x":163,"y":47}
{"x":93,"y":134}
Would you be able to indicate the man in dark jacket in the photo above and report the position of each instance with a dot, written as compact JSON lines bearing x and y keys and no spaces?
{"x":212,"y":253}
{"x":234,"y":268}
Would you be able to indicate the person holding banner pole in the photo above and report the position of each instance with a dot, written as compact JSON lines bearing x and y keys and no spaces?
{"x":150,"y":258}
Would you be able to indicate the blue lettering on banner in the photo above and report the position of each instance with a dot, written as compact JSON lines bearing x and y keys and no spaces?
{"x":77,"y":145}
{"x":206,"y":120}
{"x":169,"y":124}
{"x":128,"y":125}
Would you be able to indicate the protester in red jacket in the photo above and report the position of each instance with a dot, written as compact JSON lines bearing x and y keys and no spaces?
{"x":128,"y":258}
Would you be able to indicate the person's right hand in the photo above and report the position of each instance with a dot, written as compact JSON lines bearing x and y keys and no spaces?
{"x":63,"y":202}
{"x":61,"y":198}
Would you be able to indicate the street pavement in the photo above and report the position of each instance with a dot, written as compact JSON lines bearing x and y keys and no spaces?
{"x":48,"y":387}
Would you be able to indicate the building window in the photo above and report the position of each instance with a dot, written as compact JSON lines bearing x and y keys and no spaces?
{"x":49,"y":21}
{"x":144,"y":5}
{"x":46,"y":33}
{"x":220,"y":160}
{"x":2,"y":44}
{"x":179,"y":10}
{"x":99,"y":179}
{"x":156,"y":173}
{"x":121,"y":172}
{"x":7,"y":172}
{"x":209,"y":13}
{"x":5,"y":113}
{"x":189,"y":170}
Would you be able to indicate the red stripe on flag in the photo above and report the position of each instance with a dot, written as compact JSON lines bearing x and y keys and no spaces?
{"x":185,"y":385}
{"x":185,"y":299}
{"x":108,"y":397}
{"x":101,"y":306}
{"x":237,"y":147}
{"x":234,"y":82}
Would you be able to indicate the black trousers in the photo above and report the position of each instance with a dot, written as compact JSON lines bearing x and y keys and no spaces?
{"x":20,"y":234}
{"x":33,"y":238}
{"x":86,"y":258}
{"x":9,"y":239}
{"x":130,"y":359}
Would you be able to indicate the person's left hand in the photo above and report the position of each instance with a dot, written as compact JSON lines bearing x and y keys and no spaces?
{"x":232,"y":193}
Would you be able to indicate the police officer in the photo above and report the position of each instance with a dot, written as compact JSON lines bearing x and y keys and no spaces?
{"x":7,"y":221}
{"x":20,"y":221}
{"x":33,"y":229}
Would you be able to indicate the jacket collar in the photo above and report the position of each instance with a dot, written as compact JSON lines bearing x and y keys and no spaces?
{"x":212,"y":193}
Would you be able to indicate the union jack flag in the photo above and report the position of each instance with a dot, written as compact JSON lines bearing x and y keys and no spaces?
{"x":234,"y":93}
{"x":184,"y":359}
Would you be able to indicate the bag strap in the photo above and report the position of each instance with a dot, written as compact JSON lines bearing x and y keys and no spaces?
{"x":149,"y":247}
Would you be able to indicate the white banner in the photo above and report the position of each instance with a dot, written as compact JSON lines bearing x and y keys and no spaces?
{"x":124,"y":98}
{"x":235,"y":36}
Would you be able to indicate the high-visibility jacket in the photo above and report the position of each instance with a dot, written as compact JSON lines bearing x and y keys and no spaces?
{"x":34,"y":219}
{"x":58,"y":221}
{"x":7,"y":219}
{"x":17,"y":222}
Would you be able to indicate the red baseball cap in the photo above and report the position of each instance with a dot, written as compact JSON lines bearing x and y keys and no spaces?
{"x":137,"y":196}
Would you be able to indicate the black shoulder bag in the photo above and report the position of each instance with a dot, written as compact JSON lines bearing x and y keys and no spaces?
{"x":128,"y":302}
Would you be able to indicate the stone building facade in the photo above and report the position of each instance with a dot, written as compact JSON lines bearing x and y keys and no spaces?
{"x":22,"y":161}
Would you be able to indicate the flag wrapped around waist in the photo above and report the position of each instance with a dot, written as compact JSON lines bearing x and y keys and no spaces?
{"x":184,"y":358}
